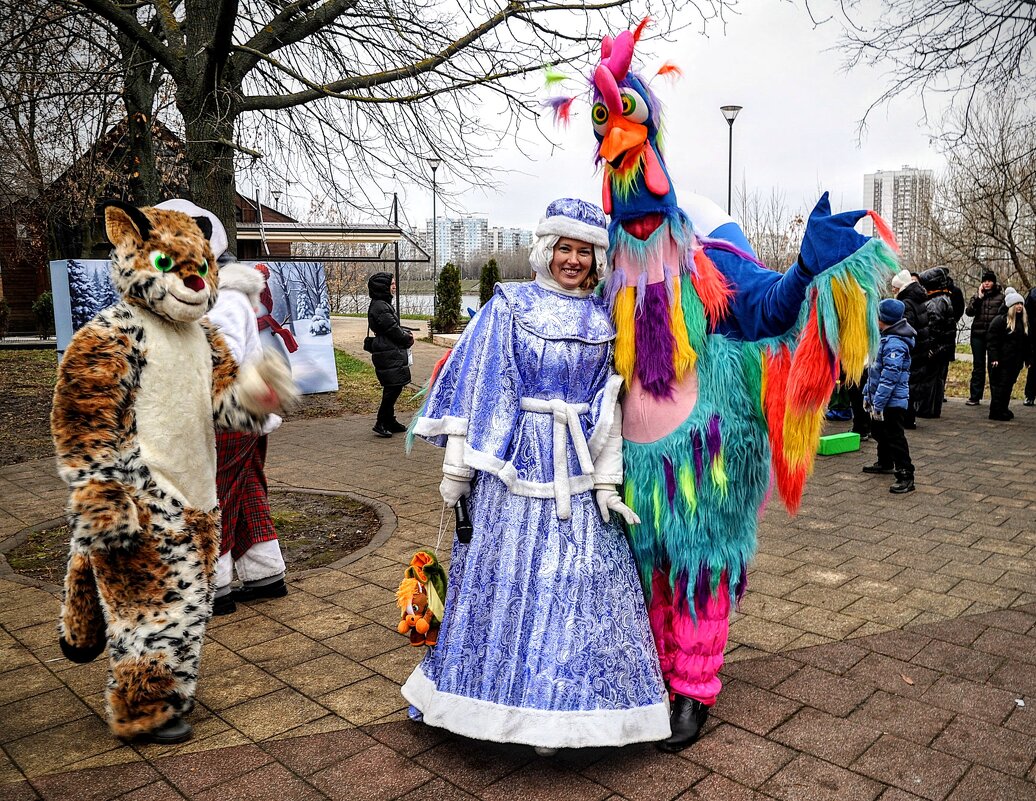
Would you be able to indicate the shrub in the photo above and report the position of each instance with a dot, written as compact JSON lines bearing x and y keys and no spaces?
{"x":447,"y":300}
{"x":43,"y":309}
{"x":489,"y":278}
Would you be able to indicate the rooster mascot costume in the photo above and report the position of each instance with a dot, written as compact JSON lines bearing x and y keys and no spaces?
{"x":727,"y":368}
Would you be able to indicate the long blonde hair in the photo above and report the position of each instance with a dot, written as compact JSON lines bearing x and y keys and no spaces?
{"x":1016,"y":311}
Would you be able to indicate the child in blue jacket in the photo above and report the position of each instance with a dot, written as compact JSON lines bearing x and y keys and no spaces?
{"x":887,"y":396}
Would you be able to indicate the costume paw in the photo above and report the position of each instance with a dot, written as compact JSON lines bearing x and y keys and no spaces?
{"x":267,"y":386}
{"x":829,"y":238}
{"x":82,"y":655}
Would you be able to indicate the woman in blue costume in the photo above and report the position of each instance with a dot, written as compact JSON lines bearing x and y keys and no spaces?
{"x":545,"y":638}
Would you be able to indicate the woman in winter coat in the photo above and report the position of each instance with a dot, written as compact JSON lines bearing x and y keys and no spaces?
{"x":1009,"y":347}
{"x":388,"y":352}
{"x":984,"y":305}
{"x":941,"y":342}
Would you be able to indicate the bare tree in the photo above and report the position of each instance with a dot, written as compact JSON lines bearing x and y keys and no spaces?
{"x":964,"y":47}
{"x":57,"y":88}
{"x":371,"y":87}
{"x":774,"y":231}
{"x":984,"y":211}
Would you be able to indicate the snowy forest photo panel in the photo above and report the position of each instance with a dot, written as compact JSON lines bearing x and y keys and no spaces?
{"x":83,"y":287}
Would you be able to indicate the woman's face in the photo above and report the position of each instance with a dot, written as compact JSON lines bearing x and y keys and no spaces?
{"x":571,"y":262}
{"x":392,"y":287}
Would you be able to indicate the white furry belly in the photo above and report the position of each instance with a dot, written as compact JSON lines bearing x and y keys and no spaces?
{"x":174,"y":412}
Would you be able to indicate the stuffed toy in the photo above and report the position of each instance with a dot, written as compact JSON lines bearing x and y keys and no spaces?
{"x":139,"y":391}
{"x":727,"y":367}
{"x":420,"y":599}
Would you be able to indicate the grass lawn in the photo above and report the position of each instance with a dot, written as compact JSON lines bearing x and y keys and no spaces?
{"x":358,"y":392}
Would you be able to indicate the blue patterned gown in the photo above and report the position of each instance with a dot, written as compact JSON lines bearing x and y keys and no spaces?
{"x":545,"y":638}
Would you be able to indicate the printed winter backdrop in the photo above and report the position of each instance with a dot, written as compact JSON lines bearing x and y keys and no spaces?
{"x":83,"y":287}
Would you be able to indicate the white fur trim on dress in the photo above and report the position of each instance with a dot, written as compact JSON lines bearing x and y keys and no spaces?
{"x":485,"y":720}
{"x":604,"y":423}
{"x":438,"y":426}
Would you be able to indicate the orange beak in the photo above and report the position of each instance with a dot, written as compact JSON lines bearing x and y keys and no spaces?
{"x":622,"y":137}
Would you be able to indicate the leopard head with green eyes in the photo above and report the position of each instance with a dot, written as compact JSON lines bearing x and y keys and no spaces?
{"x":162,"y":260}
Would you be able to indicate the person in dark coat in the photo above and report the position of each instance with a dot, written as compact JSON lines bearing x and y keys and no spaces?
{"x":1030,"y":379}
{"x":915,"y":302}
{"x":887,"y":396}
{"x":388,"y":352}
{"x":941,"y":342}
{"x":983,"y":307}
{"x":1010,"y":348}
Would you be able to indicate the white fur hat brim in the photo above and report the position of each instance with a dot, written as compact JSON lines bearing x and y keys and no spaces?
{"x":218,"y":241}
{"x":572,"y":229}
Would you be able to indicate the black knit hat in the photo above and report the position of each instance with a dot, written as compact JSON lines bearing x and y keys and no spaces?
{"x":989,"y":275}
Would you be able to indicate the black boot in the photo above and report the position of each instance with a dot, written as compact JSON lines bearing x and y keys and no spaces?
{"x":175,"y":730}
{"x":257,"y":592}
{"x":904,"y":483}
{"x":396,"y":427}
{"x":687,"y":719}
{"x":381,"y":430}
{"x":878,"y":467}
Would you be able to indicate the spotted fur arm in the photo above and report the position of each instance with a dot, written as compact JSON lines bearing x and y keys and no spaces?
{"x":228,"y":411}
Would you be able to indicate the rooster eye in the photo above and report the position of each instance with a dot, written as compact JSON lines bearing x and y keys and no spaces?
{"x":599,"y":116}
{"x":203,"y":267}
{"x":634,"y":107}
{"x":161,"y":261}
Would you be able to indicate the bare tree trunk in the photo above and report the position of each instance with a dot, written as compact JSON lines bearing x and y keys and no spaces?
{"x":138,"y":96}
{"x":210,"y":155}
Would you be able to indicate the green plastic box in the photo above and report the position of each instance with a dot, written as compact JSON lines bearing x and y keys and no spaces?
{"x":838,"y":443}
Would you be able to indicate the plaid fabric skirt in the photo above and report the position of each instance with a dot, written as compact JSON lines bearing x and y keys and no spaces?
{"x":241,"y":487}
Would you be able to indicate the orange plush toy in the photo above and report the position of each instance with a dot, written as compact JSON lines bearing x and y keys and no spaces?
{"x":420,"y":599}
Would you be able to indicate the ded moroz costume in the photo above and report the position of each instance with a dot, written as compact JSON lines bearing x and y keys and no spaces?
{"x":545,"y":638}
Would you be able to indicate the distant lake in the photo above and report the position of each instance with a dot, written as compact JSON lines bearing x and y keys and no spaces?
{"x":425,"y":303}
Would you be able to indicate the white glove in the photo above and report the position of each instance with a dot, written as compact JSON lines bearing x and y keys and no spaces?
{"x":453,"y":489}
{"x":608,"y":501}
{"x":456,"y":481}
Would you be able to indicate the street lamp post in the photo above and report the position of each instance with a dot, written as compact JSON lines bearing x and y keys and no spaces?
{"x":730,"y":114}
{"x":434,"y":164}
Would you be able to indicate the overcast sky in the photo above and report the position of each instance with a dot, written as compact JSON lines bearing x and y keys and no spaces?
{"x":797,"y":131}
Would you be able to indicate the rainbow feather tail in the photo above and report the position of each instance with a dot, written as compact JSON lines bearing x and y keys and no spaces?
{"x":838,"y":329}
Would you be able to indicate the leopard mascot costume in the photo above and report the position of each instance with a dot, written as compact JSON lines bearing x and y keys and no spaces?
{"x":139,"y":391}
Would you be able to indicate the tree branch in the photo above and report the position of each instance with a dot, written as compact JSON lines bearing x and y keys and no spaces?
{"x":127,"y":24}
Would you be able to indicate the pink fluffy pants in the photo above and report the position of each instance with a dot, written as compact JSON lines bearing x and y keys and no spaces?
{"x":690,"y":652}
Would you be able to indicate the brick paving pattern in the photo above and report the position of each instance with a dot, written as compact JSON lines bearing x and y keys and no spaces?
{"x":880,"y":653}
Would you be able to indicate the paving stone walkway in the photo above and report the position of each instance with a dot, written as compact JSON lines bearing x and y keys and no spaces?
{"x":883,"y":651}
